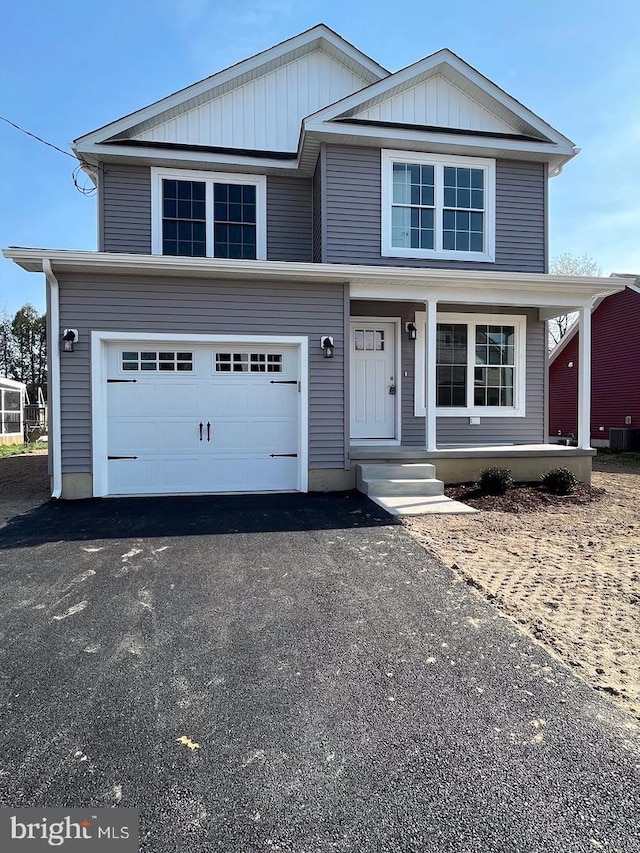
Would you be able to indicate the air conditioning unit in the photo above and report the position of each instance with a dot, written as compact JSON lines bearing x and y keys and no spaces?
{"x":624,"y":439}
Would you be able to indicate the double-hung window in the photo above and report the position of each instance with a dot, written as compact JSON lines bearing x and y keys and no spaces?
{"x":209,"y":214}
{"x":437,"y":206}
{"x":480,"y":364}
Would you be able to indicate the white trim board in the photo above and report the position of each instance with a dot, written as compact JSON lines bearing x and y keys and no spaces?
{"x":367,"y":281}
{"x":99,"y":409}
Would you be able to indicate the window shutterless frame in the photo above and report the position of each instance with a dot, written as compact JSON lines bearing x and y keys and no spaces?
{"x":209,"y":179}
{"x":439,"y":162}
{"x":518,"y":410}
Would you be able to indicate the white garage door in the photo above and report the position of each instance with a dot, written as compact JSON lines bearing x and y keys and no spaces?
{"x":218,"y":418}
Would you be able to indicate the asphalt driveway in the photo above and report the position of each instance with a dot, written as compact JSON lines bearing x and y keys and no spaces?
{"x":346,"y":693}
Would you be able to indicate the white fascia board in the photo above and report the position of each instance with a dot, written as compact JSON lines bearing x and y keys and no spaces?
{"x":534,"y":289}
{"x":178,"y":156}
{"x":426,"y":139}
{"x":431,"y":64}
{"x":463,"y":292}
{"x":573,"y":331}
{"x":273,"y":55}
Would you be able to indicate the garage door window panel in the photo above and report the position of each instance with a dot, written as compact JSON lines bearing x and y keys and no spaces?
{"x":245,"y":362}
{"x":154,"y":360}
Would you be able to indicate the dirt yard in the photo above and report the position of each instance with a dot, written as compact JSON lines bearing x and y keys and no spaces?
{"x":24,"y":484}
{"x":569,"y":574}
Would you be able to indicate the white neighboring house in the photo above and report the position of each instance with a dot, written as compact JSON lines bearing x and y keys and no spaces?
{"x":12,"y":399}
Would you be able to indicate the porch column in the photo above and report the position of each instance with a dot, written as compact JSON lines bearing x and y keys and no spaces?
{"x":430,"y":374}
{"x":584,"y":377}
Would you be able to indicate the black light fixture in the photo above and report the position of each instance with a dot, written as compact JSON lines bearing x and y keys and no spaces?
{"x":326,"y":342}
{"x":411,"y":330}
{"x":69,"y":338}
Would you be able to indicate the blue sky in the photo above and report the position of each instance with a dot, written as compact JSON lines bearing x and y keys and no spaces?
{"x":73,"y":67}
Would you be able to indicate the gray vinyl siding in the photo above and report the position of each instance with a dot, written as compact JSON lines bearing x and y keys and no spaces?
{"x":352,"y":191}
{"x":458,"y":431}
{"x":196,"y":306}
{"x":317,"y":213}
{"x":289,"y":214}
{"x":125,"y":213}
{"x":125,"y":209}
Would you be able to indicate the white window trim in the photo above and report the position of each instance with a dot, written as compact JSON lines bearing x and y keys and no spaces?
{"x":518,"y":410}
{"x":439,"y":161}
{"x":159,"y":174}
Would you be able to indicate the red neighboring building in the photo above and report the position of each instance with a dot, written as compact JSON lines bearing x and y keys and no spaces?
{"x":615,"y":369}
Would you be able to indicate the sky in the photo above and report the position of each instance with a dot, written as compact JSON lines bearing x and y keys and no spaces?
{"x":67,"y":68}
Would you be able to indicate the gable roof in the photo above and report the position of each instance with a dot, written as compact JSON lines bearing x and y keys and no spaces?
{"x":359,"y":70}
{"x":443,"y":96}
{"x":270,"y":112}
{"x":632,"y":283}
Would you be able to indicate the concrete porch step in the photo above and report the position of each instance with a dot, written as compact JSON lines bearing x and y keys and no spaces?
{"x":408,"y":488}
{"x":421,"y":505}
{"x":396,"y":470}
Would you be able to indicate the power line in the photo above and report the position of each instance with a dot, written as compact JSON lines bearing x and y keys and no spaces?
{"x":33,"y":136}
{"x":84,"y":189}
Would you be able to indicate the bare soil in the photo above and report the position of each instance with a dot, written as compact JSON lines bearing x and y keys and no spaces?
{"x":567,"y":569}
{"x":24,"y":484}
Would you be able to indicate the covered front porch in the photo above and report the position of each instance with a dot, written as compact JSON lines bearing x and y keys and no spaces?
{"x":459,"y":378}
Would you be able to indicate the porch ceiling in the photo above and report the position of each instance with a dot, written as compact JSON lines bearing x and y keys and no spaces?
{"x":557,"y":292}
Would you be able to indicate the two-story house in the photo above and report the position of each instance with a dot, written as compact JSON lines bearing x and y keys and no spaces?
{"x":304,"y":262}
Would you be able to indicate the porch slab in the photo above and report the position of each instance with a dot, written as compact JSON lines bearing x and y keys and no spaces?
{"x":420,"y":505}
{"x":505,"y":451}
{"x":527,"y":462}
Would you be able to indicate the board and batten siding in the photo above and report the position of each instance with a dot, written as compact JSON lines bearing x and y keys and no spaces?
{"x":197,"y":306}
{"x":458,"y":431}
{"x":125,"y":213}
{"x":353,"y":200}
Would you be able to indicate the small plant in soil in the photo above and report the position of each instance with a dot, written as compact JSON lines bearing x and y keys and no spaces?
{"x":495,"y":481}
{"x":560,"y":481}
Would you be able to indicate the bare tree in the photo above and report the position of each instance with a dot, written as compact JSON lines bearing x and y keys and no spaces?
{"x":568,"y":264}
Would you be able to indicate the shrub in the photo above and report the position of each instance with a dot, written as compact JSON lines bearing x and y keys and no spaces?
{"x":496,"y":481}
{"x":560,"y":481}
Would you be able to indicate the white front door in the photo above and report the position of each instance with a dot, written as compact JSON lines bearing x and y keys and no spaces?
{"x":373,"y":380}
{"x":217,"y":418}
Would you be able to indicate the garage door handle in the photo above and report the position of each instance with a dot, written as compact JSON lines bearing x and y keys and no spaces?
{"x":200,"y":428}
{"x":208,"y":431}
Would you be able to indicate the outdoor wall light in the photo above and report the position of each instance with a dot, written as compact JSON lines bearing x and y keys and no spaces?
{"x":326,"y":342}
{"x":411,"y":330}
{"x":69,"y":339}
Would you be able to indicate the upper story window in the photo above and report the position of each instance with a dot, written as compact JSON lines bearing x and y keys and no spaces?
{"x":437,"y":206}
{"x":208,"y":214}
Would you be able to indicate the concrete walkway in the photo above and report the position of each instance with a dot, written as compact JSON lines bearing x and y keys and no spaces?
{"x":345,"y":692}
